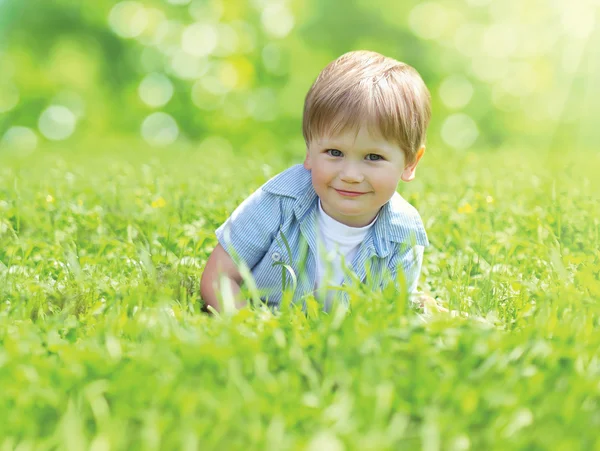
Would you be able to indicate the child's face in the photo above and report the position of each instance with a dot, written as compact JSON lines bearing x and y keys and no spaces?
{"x":355,"y":174}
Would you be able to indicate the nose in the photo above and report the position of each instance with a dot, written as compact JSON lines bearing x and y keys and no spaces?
{"x":351,"y":173}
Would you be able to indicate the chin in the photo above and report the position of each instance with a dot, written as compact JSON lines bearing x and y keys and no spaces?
{"x":350,"y":213}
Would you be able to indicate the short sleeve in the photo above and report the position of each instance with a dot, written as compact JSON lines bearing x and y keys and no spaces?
{"x":410,"y":260}
{"x":249,"y":231}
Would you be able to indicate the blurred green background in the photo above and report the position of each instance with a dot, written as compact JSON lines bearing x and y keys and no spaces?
{"x":233,"y":74}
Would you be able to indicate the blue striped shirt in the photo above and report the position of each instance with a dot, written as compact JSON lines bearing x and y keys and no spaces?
{"x":285,"y":209}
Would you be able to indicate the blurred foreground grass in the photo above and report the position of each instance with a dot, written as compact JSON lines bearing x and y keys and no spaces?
{"x":102,"y":345}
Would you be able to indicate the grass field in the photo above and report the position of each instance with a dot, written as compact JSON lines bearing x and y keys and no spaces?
{"x":103,"y":346}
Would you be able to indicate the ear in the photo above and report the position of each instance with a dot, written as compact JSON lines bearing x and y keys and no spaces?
{"x":307,"y":162}
{"x":409,"y":170}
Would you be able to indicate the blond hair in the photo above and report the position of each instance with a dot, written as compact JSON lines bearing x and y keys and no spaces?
{"x":364,"y":87}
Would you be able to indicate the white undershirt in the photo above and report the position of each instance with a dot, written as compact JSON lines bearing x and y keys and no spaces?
{"x":336,"y":241}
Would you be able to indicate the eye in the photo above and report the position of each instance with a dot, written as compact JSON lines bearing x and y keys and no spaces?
{"x":374,"y":157}
{"x":334,"y":152}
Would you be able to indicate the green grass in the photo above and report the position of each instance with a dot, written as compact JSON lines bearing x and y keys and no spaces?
{"x":102,"y":344}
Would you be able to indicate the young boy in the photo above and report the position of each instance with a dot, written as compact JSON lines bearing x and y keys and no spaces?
{"x":365,"y":120}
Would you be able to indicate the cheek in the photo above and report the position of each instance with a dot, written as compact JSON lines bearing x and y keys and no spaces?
{"x":319,"y":178}
{"x":386,"y":182}
{"x":321,"y":173}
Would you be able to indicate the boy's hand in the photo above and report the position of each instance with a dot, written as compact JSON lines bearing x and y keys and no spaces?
{"x":427,"y":303}
{"x":220,"y":268}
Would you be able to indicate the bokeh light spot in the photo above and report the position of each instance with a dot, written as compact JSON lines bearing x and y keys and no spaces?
{"x":227,"y":40}
{"x":499,"y":40}
{"x":9,"y":96}
{"x":155,"y":17}
{"x":205,"y":11}
{"x":168,"y":36}
{"x":489,"y":69}
{"x":467,"y":38}
{"x":214,"y":85}
{"x":160,"y":129}
{"x":155,"y":90}
{"x":20,"y":138}
{"x":128,"y":19}
{"x":273,"y":60}
{"x":57,"y":122}
{"x":456,"y":91}
{"x":459,"y":131}
{"x":199,"y":39}
{"x":277,"y":20}
{"x":188,"y":67}
{"x":428,"y":20}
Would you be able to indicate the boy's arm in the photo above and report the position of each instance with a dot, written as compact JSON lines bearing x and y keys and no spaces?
{"x":220,"y":264}
{"x":409,"y":260}
{"x":245,"y":236}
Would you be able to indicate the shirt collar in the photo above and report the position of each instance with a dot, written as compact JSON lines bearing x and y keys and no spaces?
{"x":398,"y":222}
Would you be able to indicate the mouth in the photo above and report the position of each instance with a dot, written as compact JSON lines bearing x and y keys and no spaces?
{"x":349,"y":193}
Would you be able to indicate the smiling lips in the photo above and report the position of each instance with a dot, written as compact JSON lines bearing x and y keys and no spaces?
{"x":349,"y":193}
